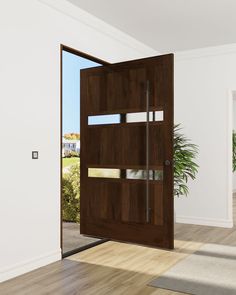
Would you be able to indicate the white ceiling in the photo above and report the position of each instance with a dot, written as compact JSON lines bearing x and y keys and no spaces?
{"x":169,"y":25}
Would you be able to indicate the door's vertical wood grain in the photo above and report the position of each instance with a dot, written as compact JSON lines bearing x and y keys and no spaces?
{"x":115,"y":208}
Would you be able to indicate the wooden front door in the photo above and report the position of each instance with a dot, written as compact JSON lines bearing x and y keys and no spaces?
{"x":127,"y":165}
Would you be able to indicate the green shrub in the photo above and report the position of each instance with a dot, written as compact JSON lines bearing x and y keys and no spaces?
{"x":74,"y":154}
{"x":71,"y":194}
{"x":71,"y":154}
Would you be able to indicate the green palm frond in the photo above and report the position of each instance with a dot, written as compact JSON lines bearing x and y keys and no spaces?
{"x":185,"y":154}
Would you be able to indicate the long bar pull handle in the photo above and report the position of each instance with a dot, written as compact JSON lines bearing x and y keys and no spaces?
{"x":147,"y":153}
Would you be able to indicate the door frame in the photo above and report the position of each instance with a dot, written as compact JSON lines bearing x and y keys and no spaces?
{"x":102,"y":62}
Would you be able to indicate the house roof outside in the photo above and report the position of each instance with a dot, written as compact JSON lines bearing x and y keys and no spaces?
{"x":64,"y":140}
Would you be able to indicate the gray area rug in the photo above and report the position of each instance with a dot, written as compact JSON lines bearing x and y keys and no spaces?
{"x":209,"y":271}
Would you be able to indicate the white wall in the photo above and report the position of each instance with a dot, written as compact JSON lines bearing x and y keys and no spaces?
{"x":234,"y":128}
{"x":203,"y":80}
{"x":31,"y":33}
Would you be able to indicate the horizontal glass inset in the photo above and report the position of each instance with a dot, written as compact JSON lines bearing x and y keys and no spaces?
{"x":142,"y":117}
{"x":104,"y":172}
{"x":142,"y":174}
{"x":104,"y":119}
{"x":125,"y":173}
{"x":130,"y":118}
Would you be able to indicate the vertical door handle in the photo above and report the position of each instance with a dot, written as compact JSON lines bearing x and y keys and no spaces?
{"x":147,"y":156}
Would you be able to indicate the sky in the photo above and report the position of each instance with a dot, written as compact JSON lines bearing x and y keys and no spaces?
{"x":72,"y":64}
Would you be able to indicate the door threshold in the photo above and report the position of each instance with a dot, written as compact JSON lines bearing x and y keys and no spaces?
{"x":80,"y":249}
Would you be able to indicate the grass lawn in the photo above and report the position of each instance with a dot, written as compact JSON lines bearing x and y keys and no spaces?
{"x":66,"y":162}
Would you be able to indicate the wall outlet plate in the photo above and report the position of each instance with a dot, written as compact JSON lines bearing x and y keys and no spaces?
{"x":35,"y":155}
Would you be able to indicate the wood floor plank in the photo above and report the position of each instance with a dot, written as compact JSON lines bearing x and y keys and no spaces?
{"x":115,"y":268}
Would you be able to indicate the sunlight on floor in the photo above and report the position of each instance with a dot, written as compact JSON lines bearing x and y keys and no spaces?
{"x":127,"y":256}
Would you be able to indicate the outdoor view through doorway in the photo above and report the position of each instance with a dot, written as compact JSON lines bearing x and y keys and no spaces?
{"x":72,"y":240}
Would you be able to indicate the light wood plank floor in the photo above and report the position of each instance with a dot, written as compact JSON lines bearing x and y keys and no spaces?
{"x":116,"y":268}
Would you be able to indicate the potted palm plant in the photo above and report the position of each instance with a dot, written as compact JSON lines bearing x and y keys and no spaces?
{"x":185,"y":167}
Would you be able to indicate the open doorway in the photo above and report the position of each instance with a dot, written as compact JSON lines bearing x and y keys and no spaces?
{"x":72,"y":62}
{"x":115,"y":205}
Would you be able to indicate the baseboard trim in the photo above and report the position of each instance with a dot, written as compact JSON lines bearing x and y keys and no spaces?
{"x":27,"y":266}
{"x":205,"y":221}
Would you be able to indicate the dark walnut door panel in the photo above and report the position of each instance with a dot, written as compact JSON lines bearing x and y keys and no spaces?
{"x":117,"y":141}
{"x":127,"y":167}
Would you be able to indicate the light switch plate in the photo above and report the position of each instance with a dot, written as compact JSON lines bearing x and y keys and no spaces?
{"x":35,"y":155}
